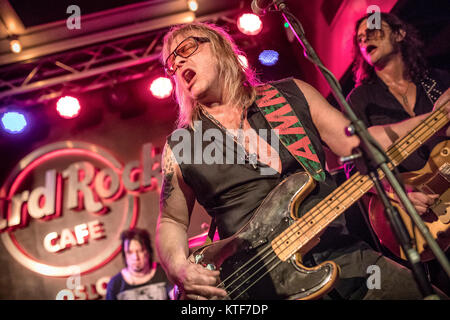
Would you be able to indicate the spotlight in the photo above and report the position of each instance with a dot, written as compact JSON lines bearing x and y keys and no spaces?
{"x":193,"y":5}
{"x":268,"y":57}
{"x":250,"y":24}
{"x":68,"y":107}
{"x":13,"y":122}
{"x":161,"y":87}
{"x":15,"y":44}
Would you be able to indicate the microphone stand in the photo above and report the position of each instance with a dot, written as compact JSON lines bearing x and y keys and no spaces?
{"x":375,"y":159}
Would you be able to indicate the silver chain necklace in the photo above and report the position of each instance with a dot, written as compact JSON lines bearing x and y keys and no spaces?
{"x":250,"y":158}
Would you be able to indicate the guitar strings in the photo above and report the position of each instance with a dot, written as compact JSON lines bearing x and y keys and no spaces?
{"x":401,"y":144}
{"x":419,"y":128}
{"x":279,"y":261}
{"x":323,"y":203}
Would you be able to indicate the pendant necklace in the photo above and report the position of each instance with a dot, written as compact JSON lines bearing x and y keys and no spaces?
{"x":405,"y":97}
{"x":250,"y":158}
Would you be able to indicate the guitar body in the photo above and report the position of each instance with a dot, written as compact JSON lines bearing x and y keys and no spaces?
{"x":434,"y":177}
{"x":249,"y":267}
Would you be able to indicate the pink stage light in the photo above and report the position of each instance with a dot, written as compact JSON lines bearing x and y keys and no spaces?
{"x":68,"y":107}
{"x":161,"y":87}
{"x":250,"y":24}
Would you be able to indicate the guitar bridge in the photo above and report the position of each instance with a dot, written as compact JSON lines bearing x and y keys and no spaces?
{"x":441,"y":208}
{"x":444,"y":171}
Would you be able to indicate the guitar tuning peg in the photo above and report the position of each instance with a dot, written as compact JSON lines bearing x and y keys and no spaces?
{"x":350,"y":158}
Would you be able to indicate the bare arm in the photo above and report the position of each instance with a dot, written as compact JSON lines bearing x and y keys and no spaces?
{"x":176,"y":204}
{"x":330,"y":122}
{"x":389,"y":133}
{"x":420,"y":200}
{"x":331,"y":125}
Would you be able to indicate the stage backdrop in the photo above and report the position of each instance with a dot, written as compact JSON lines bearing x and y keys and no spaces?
{"x":69,"y":187}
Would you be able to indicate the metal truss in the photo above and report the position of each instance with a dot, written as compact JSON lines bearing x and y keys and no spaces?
{"x":94,"y":67}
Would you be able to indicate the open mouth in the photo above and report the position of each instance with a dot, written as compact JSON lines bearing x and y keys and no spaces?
{"x":188,"y":75}
{"x":370,"y":48}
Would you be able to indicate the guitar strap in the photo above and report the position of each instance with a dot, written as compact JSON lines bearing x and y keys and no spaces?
{"x":212,"y":230}
{"x":284,"y":121}
{"x":431,"y":88}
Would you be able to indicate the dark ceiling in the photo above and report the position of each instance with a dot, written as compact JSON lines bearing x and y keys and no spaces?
{"x":34,"y":15}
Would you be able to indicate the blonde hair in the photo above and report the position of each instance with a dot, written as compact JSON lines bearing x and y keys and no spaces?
{"x":238,"y":82}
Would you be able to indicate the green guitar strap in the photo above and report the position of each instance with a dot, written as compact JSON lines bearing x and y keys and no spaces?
{"x":279,"y":114}
{"x":282,"y":118}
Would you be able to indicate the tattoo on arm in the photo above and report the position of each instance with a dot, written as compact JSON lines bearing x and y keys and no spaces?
{"x":168,"y":173}
{"x":166,"y":189}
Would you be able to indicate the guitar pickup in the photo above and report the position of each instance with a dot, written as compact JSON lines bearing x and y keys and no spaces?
{"x":257,"y":244}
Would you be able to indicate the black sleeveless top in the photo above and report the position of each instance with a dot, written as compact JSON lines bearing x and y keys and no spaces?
{"x":231,"y":192}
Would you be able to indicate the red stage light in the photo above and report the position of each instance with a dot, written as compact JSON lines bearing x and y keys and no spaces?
{"x":68,"y":107}
{"x":250,"y":24}
{"x":161,"y":87}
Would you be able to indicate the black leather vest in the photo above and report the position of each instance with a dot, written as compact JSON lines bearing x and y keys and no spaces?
{"x":231,"y":192}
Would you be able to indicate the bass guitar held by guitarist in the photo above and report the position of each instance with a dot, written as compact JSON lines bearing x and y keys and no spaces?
{"x":250,"y":153}
{"x":395,"y":91}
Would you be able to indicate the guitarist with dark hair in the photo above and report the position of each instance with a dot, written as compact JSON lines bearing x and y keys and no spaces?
{"x":394,"y":89}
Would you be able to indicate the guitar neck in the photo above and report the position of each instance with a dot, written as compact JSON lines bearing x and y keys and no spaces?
{"x":311,"y":224}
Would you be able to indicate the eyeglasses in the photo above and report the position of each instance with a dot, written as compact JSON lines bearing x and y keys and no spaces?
{"x":370,"y":34}
{"x":185,"y":49}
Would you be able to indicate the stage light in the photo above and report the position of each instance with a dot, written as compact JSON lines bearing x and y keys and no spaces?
{"x":268,"y":57}
{"x":243,"y":60}
{"x":250,"y":24}
{"x":68,"y":107}
{"x":161,"y":87}
{"x":15,"y":45}
{"x":193,"y":5}
{"x":13,"y":122}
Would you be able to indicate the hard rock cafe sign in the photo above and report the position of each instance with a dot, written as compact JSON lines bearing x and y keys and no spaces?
{"x":66,"y":204}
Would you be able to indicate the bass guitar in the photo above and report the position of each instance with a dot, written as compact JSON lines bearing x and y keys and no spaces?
{"x":263,"y":259}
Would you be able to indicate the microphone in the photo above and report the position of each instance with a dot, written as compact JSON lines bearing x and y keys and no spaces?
{"x":259,"y":7}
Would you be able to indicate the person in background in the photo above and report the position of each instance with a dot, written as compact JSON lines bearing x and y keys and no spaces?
{"x":142,"y":278}
{"x":395,"y":91}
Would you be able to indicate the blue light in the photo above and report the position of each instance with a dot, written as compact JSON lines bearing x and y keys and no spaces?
{"x":14,"y":122}
{"x":268,"y":57}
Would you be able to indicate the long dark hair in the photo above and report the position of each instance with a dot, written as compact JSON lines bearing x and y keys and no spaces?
{"x":411,"y":48}
{"x":140,"y":235}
